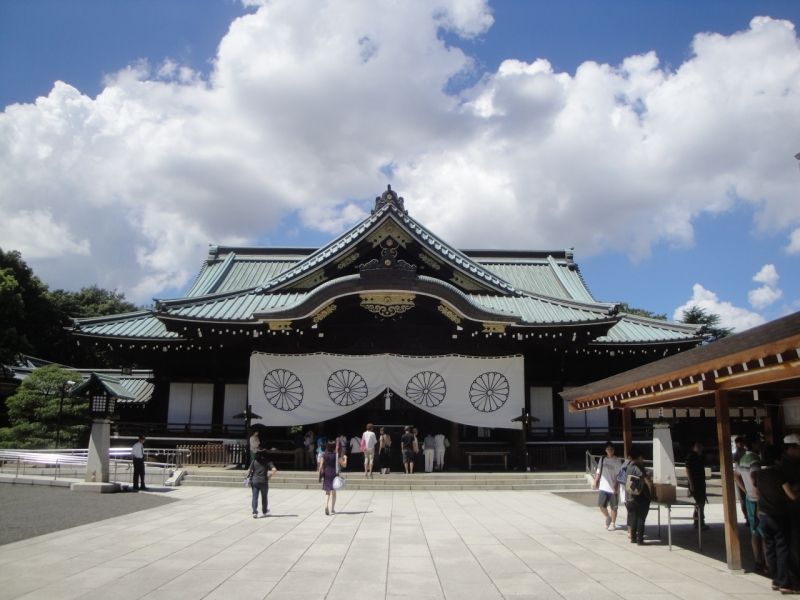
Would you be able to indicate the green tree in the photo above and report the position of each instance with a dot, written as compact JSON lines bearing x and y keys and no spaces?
{"x":641,"y":312}
{"x":41,"y":408}
{"x":12,"y":310}
{"x":696,"y":315}
{"x":91,"y":301}
{"x":34,"y":320}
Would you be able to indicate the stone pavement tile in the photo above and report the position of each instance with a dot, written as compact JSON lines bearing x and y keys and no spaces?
{"x":690,"y":589}
{"x":321,"y":564}
{"x":293,"y":582}
{"x":539,"y":557}
{"x":521,"y":583}
{"x":643,"y":595}
{"x":736,"y":583}
{"x":232,"y":560}
{"x":404,"y":584}
{"x":14,"y":587}
{"x":346,"y":590}
{"x":503,"y":566}
{"x":557,"y":572}
{"x":192,"y":584}
{"x":471,"y":591}
{"x":586,"y":588}
{"x":241,"y":590}
{"x":422,"y":564}
{"x":466,"y":573}
{"x":627,"y":583}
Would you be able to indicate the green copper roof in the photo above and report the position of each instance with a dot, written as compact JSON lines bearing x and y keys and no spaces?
{"x":111,"y":384}
{"x":138,"y":325}
{"x":641,"y":330}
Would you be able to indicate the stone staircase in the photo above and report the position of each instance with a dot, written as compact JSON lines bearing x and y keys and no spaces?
{"x":545,"y":481}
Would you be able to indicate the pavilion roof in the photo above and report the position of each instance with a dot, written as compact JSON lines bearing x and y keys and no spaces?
{"x":762,"y":355}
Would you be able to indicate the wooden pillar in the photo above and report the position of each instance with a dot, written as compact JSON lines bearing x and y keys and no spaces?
{"x":627,"y":432}
{"x":733,"y":551}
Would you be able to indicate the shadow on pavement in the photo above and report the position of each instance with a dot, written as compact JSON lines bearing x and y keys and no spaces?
{"x":31,"y":510}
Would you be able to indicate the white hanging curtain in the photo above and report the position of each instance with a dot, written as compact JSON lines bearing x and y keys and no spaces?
{"x":301,"y":389}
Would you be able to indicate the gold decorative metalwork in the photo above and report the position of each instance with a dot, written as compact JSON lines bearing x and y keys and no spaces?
{"x":388,"y":305}
{"x":465,"y":283}
{"x":280,"y":325}
{"x":348,"y":260}
{"x":324,"y":312}
{"x":494,"y":327}
{"x":389,"y":229}
{"x":428,"y":260}
{"x":449,"y":313}
{"x":313,"y":280}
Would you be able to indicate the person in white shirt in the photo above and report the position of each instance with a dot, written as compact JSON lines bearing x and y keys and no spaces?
{"x":137,"y":456}
{"x":439,"y":445}
{"x":428,"y":445}
{"x":368,"y":442}
{"x":355,"y":452}
{"x":605,"y":480}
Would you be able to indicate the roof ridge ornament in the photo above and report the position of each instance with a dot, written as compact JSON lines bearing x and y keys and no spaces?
{"x":389,"y":197}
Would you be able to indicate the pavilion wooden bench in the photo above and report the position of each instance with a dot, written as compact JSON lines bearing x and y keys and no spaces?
{"x":490,"y":454}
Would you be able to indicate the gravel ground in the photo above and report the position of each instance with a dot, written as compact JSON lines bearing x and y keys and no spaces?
{"x":30,"y":510}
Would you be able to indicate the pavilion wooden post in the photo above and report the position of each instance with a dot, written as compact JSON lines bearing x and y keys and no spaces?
{"x":627,"y":433}
{"x":733,"y":551}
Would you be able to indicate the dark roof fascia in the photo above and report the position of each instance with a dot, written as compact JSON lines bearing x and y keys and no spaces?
{"x":611,"y":345}
{"x":695,"y":360}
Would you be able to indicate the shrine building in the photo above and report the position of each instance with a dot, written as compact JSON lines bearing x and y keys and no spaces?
{"x":388,"y":324}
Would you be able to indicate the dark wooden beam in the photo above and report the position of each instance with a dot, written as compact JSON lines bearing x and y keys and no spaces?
{"x":733,"y":550}
{"x":627,"y":437}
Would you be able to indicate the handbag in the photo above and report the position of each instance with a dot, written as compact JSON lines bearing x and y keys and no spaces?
{"x":338,"y":482}
{"x":248,"y":481}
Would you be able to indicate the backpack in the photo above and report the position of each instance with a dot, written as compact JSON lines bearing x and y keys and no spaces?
{"x":633,"y":485}
{"x":623,"y":473}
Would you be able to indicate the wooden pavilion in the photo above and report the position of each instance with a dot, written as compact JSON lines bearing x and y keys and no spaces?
{"x":756,"y":369}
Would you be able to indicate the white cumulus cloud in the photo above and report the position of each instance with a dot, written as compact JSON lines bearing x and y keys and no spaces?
{"x":768,"y":293}
{"x":735,"y":317}
{"x":309,"y":105}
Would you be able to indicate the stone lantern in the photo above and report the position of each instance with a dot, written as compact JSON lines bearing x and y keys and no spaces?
{"x":103,"y":392}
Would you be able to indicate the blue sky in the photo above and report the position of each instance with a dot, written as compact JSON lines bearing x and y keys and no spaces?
{"x":130,"y":66}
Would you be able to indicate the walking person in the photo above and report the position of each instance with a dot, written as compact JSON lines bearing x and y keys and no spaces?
{"x":261,"y":471}
{"x":407,"y":447}
{"x":428,"y":448}
{"x":368,"y":443}
{"x":329,"y":463}
{"x":638,"y":496}
{"x":385,"y":452}
{"x":137,"y":457}
{"x":605,"y":480}
{"x":696,"y":473}
{"x":774,"y":495}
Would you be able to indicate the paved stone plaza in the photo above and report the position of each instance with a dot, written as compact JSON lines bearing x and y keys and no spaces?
{"x":456,"y":544}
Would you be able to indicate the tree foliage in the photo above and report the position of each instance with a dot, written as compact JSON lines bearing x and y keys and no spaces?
{"x":34,"y":320}
{"x":696,"y":315}
{"x":41,"y":407}
{"x":641,"y":312}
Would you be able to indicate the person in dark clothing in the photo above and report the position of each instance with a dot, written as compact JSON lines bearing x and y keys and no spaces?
{"x":637,"y":496}
{"x":791,"y":468}
{"x":260,"y":472}
{"x":407,"y":446}
{"x":696,"y":472}
{"x":774,"y":495}
{"x":137,"y":457}
{"x":328,"y":470}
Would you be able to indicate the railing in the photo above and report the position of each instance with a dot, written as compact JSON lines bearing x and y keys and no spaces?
{"x":71,"y":463}
{"x":214,"y":454}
